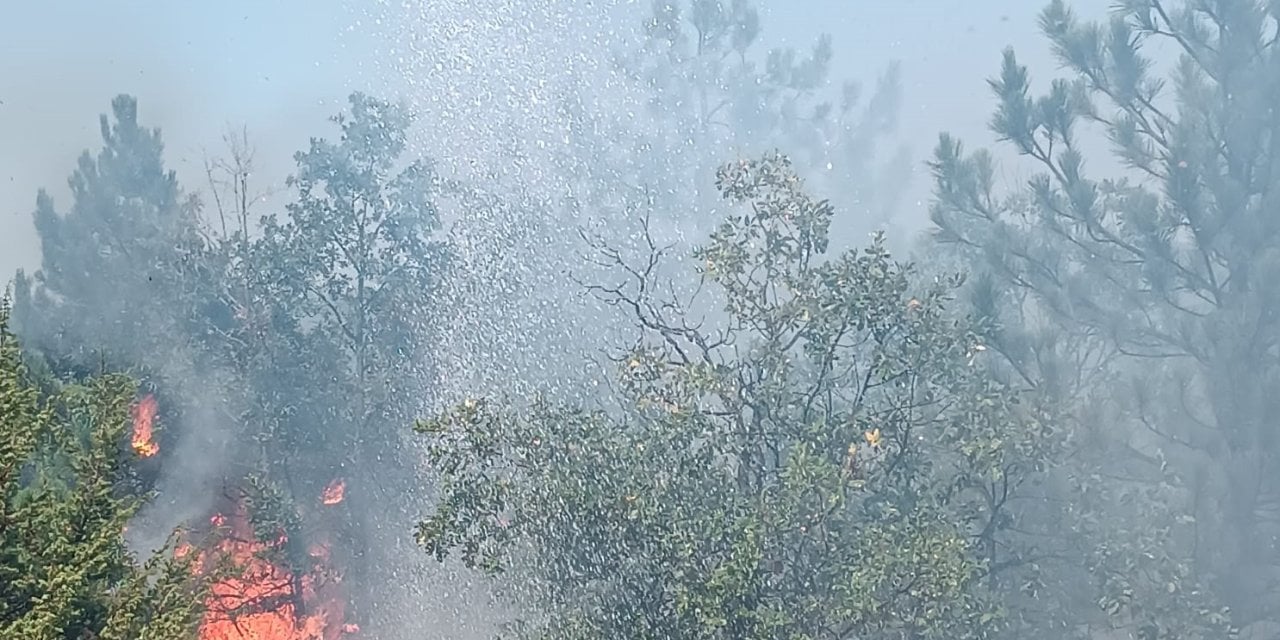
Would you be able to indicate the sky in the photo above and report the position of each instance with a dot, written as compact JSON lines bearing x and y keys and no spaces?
{"x":281,"y":67}
{"x":277,"y":67}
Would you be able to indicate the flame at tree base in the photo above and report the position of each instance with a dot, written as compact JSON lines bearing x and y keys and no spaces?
{"x":259,"y":598}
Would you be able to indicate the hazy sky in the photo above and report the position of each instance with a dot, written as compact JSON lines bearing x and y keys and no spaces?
{"x":281,"y":67}
{"x":196,"y":68}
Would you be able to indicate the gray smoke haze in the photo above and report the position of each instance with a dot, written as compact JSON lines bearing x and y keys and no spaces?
{"x":196,"y":69}
{"x":281,"y":70}
{"x":487,"y":79}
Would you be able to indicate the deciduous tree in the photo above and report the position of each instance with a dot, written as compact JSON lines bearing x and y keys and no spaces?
{"x":824,"y":461}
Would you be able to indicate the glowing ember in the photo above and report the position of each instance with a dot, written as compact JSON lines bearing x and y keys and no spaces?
{"x":144,"y":415}
{"x":264,"y":600}
{"x":334,"y":492}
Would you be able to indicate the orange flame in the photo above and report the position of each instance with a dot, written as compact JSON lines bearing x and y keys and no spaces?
{"x":144,"y":415}
{"x":334,"y":492}
{"x":264,"y":600}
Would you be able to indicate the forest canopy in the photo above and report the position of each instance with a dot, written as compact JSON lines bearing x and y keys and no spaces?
{"x":702,"y":414}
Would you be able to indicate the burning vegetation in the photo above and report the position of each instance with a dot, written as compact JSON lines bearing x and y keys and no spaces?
{"x":260,"y":590}
{"x":143,"y":437}
{"x":334,"y":492}
{"x":267,"y":580}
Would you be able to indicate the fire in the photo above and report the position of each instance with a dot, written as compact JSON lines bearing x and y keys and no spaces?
{"x":261,"y":599}
{"x":334,"y":492}
{"x":144,"y":415}
{"x":261,"y":590}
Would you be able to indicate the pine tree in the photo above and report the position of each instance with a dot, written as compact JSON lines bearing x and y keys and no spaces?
{"x":716,"y":90}
{"x":1147,"y":298}
{"x":65,"y":500}
{"x":127,"y":282}
{"x":122,"y":269}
